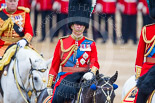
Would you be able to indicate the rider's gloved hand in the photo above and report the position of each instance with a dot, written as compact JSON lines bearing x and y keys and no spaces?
{"x":49,"y":91}
{"x":22,"y":43}
{"x":89,"y":75}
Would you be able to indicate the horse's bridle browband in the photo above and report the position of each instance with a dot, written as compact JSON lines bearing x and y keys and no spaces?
{"x":22,"y":87}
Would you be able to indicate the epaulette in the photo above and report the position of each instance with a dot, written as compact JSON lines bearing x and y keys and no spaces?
{"x":89,"y":39}
{"x":150,"y":24}
{"x":64,"y":37}
{"x":27,"y":10}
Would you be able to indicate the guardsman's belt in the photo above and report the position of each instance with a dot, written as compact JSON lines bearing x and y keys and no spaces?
{"x":75,"y":69}
{"x":150,"y":60}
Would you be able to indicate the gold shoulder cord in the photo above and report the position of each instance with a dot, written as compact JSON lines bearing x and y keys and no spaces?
{"x":148,"y":41}
{"x":71,"y":49}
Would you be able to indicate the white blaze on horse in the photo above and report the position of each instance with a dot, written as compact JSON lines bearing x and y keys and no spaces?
{"x":129,"y":84}
{"x":27,"y":76}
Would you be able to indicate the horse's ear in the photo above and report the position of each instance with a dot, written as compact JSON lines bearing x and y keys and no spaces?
{"x":49,"y":61}
{"x":114,"y":77}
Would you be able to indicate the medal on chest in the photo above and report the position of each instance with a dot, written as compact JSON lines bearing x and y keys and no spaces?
{"x":85,"y":47}
{"x":18,"y":20}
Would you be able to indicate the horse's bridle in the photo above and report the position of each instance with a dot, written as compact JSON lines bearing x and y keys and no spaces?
{"x":108,"y":94}
{"x":28,"y":92}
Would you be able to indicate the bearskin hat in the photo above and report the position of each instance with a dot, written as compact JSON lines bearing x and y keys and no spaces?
{"x":79,"y":12}
{"x":151,"y":4}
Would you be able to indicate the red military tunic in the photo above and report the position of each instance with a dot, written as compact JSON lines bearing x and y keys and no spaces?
{"x":25,"y":3}
{"x":45,"y":5}
{"x":64,"y":6}
{"x":22,"y":19}
{"x":2,"y":4}
{"x":130,"y":7}
{"x":108,"y":6}
{"x":86,"y":56}
{"x":147,"y":40}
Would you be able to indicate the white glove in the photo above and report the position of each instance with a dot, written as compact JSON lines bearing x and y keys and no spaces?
{"x":99,"y":8}
{"x":56,"y":6}
{"x":22,"y":43}
{"x":38,"y":6}
{"x":88,"y":76}
{"x":140,"y":6}
{"x":144,"y":10}
{"x":49,"y":91}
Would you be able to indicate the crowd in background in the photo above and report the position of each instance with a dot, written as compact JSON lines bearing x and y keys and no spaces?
{"x":104,"y":10}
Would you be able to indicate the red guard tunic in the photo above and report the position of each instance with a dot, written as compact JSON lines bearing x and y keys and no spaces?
{"x":64,"y":6}
{"x":45,"y":5}
{"x":22,"y":19}
{"x":85,"y":56}
{"x":130,"y":7}
{"x":25,"y":3}
{"x":108,"y":6}
{"x":145,"y":49}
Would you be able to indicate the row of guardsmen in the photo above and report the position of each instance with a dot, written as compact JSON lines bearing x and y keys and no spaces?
{"x":105,"y":9}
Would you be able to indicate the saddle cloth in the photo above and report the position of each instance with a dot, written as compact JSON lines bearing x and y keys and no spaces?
{"x":47,"y":99}
{"x":130,"y":96}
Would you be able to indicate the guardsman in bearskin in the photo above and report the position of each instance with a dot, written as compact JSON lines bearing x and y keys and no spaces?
{"x":46,"y":11}
{"x":61,"y":8}
{"x":146,"y":50}
{"x":15,"y":27}
{"x":129,"y":20}
{"x":107,"y":9}
{"x":74,"y":53}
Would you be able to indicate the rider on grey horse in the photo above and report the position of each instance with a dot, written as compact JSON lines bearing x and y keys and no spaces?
{"x":15,"y":27}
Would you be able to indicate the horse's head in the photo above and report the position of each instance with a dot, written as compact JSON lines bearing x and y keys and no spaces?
{"x":34,"y":70}
{"x":104,"y":90}
{"x":39,"y":74}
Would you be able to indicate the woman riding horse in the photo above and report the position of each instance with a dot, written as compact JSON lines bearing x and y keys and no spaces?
{"x":74,"y":53}
{"x":145,"y":49}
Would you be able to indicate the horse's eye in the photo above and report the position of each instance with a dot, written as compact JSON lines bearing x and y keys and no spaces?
{"x":35,"y":78}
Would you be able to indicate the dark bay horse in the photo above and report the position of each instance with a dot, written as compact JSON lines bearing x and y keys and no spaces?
{"x":98,"y":90}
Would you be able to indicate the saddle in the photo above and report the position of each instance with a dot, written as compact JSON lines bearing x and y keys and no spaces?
{"x":130,"y":96}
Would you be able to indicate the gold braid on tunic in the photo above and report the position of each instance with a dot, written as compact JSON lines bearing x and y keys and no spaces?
{"x":71,"y":49}
{"x":148,"y":41}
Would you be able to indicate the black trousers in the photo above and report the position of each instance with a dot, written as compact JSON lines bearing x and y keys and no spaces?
{"x":129,"y":27}
{"x":36,"y":12}
{"x":95,"y":31}
{"x":62,"y":24}
{"x":106,"y":18}
{"x":46,"y":17}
